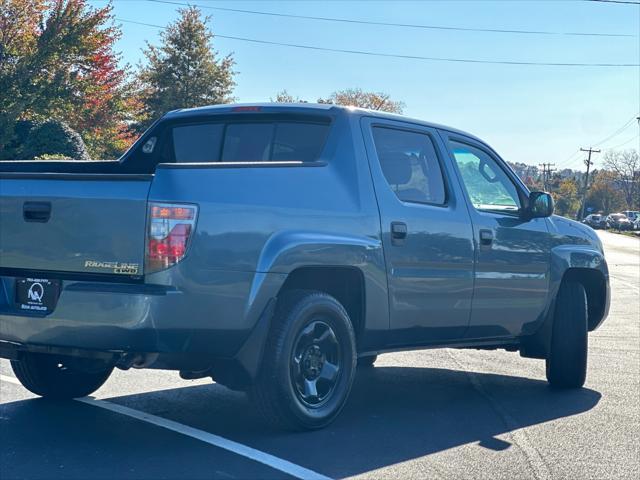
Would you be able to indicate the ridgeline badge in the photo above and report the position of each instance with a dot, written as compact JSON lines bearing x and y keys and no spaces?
{"x":114,"y":267}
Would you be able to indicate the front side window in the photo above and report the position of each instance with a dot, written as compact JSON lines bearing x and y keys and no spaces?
{"x":410,"y":165}
{"x":487,"y":184}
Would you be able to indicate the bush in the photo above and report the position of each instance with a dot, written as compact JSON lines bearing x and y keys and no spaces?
{"x":11,"y":150}
{"x":54,"y":139}
{"x":52,"y":157}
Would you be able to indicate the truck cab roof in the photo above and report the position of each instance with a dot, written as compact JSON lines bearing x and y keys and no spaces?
{"x":303,"y":108}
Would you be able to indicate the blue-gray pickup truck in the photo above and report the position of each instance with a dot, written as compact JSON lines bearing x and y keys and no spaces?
{"x":275,"y":248}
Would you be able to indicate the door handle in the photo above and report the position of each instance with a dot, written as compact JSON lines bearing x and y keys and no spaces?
{"x":36,"y":211}
{"x":398,"y":232}
{"x":486,"y":237}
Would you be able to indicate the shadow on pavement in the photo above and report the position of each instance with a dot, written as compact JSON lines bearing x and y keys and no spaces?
{"x":394,"y":414}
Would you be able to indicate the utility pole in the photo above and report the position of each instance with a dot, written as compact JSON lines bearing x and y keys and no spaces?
{"x":588,"y":163}
{"x":546,"y":173}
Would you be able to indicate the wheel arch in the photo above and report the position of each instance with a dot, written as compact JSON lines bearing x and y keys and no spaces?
{"x":345,"y":283}
{"x":582,"y":264}
{"x":595,"y":286}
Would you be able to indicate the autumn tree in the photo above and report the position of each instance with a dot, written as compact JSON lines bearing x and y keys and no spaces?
{"x":356,"y":97}
{"x":57,"y":61}
{"x":351,"y":97}
{"x":566,"y":195}
{"x":604,"y":195}
{"x":185,"y":71}
{"x":285,"y":97}
{"x":625,"y":164}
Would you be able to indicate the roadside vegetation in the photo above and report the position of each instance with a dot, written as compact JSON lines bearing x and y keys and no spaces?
{"x":64,"y":94}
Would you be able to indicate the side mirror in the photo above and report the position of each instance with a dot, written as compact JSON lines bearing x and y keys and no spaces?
{"x":540,"y":205}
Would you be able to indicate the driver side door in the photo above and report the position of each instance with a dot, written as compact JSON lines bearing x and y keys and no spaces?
{"x":511,"y":274}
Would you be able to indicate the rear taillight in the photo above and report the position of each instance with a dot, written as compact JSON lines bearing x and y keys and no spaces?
{"x":170,"y":227}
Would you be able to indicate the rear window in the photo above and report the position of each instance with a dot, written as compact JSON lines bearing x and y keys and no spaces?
{"x":249,"y":142}
{"x":197,"y":143}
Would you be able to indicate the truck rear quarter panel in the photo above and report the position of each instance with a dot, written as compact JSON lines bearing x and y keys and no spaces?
{"x":258,"y":223}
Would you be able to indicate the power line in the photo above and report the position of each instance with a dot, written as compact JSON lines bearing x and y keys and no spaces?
{"x":571,"y":159}
{"x":617,"y":132}
{"x":406,"y":57}
{"x":400,"y":25}
{"x":627,"y":2}
{"x":623,"y":143}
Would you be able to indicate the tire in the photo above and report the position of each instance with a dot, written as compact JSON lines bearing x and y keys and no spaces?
{"x":309,"y":362}
{"x":566,"y":363}
{"x":367,"y":362}
{"x":59,"y":377}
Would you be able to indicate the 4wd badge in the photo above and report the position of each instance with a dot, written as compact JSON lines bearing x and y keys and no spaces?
{"x":114,"y":267}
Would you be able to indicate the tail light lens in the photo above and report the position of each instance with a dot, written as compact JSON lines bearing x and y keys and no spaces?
{"x":170,"y":226}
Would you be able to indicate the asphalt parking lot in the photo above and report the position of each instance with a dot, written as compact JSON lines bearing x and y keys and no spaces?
{"x":428,"y":414}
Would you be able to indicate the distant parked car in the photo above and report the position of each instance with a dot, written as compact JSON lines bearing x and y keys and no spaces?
{"x":619,"y":221}
{"x":636,"y":224}
{"x":595,"y":221}
{"x":632,"y":215}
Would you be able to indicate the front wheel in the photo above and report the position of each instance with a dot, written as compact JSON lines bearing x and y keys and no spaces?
{"x":60,"y":377}
{"x":566,"y":363}
{"x":309,"y":362}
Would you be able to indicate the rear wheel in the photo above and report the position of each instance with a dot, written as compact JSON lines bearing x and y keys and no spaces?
{"x":368,"y":361}
{"x":309,"y":362}
{"x":566,"y":363}
{"x":60,"y":377}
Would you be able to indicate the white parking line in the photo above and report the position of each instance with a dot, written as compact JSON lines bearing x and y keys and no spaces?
{"x":10,"y":379}
{"x":238,"y":448}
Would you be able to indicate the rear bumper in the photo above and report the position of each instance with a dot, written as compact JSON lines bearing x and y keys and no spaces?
{"x":211,"y":320}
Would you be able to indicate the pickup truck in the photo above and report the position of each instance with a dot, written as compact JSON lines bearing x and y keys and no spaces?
{"x":276,"y":247}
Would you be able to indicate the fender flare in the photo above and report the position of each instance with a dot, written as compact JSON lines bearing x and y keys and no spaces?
{"x":563,"y":259}
{"x":282,"y":254}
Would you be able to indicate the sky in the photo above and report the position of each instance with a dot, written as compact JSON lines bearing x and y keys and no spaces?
{"x":528,"y":113}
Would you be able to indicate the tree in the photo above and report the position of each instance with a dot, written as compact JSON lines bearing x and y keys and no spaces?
{"x":565,"y":193}
{"x":625,"y":164}
{"x":185,"y":71}
{"x":604,"y":196}
{"x":57,"y":62}
{"x":285,"y":97}
{"x":356,"y":97}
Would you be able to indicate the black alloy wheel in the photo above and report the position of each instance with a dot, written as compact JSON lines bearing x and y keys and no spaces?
{"x":315,"y":363}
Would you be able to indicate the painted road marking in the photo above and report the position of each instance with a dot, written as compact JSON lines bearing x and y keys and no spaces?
{"x":6,"y":378}
{"x":259,"y":456}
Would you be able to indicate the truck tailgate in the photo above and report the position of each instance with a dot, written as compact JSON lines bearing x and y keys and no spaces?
{"x":73,"y":222}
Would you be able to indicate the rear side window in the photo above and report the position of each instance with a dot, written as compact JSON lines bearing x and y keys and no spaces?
{"x":410,"y":165}
{"x":249,"y":142}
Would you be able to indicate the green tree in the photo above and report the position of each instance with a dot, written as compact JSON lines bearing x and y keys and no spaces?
{"x":53,"y":139}
{"x":57,"y":62}
{"x":185,"y":71}
{"x":356,"y":97}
